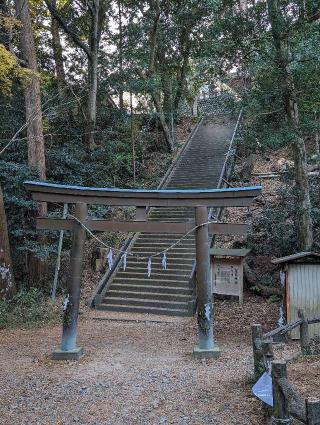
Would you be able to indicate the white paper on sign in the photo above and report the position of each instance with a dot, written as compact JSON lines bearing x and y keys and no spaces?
{"x":263,"y":389}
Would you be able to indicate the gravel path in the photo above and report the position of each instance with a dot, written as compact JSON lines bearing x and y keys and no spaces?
{"x":138,"y":370}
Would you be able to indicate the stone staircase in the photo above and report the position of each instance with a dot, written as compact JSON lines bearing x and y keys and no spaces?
{"x":170,"y":291}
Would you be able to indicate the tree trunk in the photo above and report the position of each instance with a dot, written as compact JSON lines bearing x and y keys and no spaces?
{"x":93,"y":76}
{"x":304,"y":221}
{"x":317,"y":135}
{"x":36,"y":150}
{"x":185,"y":43}
{"x":303,"y":212}
{"x":97,"y":10}
{"x":92,"y":100}
{"x":57,"y":54}
{"x":153,"y":42}
{"x":163,"y":123}
{"x":7,"y":286}
{"x":166,"y":83}
{"x":36,"y":156}
{"x":120,"y":54}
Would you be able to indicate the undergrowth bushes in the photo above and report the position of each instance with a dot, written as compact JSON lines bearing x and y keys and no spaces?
{"x":28,"y":307}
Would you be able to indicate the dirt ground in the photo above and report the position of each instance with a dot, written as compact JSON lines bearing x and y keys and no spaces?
{"x":137,"y":369}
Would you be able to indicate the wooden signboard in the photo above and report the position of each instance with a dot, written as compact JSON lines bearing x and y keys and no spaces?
{"x":227,"y":271}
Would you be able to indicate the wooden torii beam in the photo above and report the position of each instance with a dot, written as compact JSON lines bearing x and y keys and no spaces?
{"x":141,"y":199}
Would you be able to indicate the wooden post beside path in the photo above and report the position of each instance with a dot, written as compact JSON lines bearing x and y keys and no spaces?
{"x":313,"y":411}
{"x":281,"y":415}
{"x":256,"y":332}
{"x":304,"y":334}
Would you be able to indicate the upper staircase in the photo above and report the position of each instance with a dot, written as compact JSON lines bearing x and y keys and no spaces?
{"x":170,"y":291}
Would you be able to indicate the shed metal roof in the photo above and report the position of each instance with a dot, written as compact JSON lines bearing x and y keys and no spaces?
{"x":225,"y":252}
{"x":298,"y":256}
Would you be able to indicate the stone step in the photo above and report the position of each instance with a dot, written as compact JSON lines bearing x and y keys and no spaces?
{"x":176,"y":250}
{"x":143,"y":309}
{"x":162,"y":243}
{"x":183,"y":258}
{"x":164,"y":236}
{"x":133,"y":261}
{"x":140,"y":302}
{"x":163,"y":275}
{"x":157,"y":268}
{"x":150,"y":281}
{"x":171,"y":213}
{"x":179,"y":248}
{"x":151,"y":288}
{"x":171,"y":267}
{"x":180,"y":242}
{"x":157,"y":296}
{"x":143,"y":257}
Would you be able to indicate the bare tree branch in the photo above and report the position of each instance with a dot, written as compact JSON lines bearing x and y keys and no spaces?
{"x":68,"y":29}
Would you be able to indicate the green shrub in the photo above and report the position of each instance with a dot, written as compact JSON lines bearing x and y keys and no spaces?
{"x":28,"y":307}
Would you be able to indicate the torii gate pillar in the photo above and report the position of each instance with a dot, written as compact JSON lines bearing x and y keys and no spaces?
{"x":69,"y":349}
{"x":206,"y":347}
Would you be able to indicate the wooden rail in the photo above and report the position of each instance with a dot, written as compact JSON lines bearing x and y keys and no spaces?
{"x":304,"y":323}
{"x":287,"y":403}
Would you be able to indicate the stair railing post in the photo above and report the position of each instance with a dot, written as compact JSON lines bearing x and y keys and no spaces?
{"x":256,"y":334}
{"x":304,"y":334}
{"x":267,"y":351}
{"x":281,"y":415}
{"x":313,"y":411}
{"x":69,"y":349}
{"x":206,"y":347}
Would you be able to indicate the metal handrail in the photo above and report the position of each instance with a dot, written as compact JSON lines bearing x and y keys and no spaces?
{"x":224,"y":168}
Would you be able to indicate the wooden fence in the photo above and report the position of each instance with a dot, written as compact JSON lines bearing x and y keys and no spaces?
{"x":287,"y":403}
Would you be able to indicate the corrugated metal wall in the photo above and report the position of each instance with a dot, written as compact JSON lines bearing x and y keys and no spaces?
{"x":304,"y":293}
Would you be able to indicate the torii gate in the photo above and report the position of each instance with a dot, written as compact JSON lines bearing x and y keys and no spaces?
{"x":141,"y":199}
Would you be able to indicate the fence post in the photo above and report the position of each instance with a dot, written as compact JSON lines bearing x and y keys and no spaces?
{"x":281,"y":415}
{"x":267,"y":351}
{"x":256,"y":332}
{"x":313,"y":411}
{"x":304,"y":334}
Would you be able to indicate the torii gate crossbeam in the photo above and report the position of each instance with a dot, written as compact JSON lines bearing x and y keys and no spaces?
{"x":141,"y":199}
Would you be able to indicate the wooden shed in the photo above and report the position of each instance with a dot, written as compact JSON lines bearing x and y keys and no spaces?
{"x":227,"y":271}
{"x":300,"y":276}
